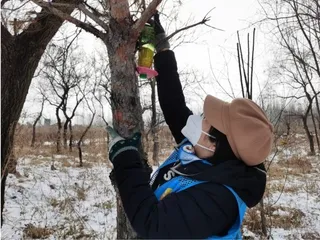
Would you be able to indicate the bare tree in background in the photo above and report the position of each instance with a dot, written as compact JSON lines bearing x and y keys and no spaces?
{"x":89,"y":98}
{"x":33,"y":140}
{"x":67,"y":73}
{"x":22,"y":45}
{"x":296,"y":26}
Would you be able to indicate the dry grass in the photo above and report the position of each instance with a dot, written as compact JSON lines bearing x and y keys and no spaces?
{"x":276,"y":172}
{"x":81,"y":193}
{"x":297,"y":164}
{"x":282,"y":217}
{"x":63,"y":205}
{"x":281,"y":187}
{"x":311,"y":235}
{"x":293,"y":218}
{"x":34,"y":232}
{"x":105,"y":205}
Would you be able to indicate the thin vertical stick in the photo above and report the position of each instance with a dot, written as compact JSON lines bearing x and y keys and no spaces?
{"x":239,"y":63}
{"x":252,"y":57}
{"x":242,"y":63}
{"x":248,"y":67}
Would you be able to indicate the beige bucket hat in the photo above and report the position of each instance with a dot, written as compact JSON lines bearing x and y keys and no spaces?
{"x":248,"y":130}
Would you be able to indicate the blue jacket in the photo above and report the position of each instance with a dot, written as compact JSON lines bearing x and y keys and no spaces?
{"x":206,"y":209}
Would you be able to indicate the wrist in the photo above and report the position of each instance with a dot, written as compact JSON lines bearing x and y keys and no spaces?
{"x":127,"y":158}
{"x":165,"y":49}
{"x":117,"y":154}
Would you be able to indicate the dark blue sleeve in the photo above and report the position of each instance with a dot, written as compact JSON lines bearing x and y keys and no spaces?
{"x":198,"y":212}
{"x":171,"y":98}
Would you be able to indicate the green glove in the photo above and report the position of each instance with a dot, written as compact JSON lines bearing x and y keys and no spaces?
{"x":118,"y":144}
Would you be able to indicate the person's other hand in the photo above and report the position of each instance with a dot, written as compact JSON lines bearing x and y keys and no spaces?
{"x":119,"y":144}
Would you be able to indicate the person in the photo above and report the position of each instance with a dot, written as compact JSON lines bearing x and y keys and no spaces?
{"x":214,"y":173}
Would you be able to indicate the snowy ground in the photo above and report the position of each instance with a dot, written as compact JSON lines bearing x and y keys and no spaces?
{"x":79,"y":203}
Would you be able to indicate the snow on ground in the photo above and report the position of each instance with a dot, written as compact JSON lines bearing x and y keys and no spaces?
{"x":79,"y":203}
{"x":72,"y":201}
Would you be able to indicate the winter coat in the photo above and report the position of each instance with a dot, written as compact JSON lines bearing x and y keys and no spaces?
{"x":176,"y":181}
{"x":203,"y":210}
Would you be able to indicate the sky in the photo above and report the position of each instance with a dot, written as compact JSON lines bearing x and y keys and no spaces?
{"x":212,"y":54}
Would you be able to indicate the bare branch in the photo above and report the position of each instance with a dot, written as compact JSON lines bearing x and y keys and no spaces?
{"x":13,"y":9}
{"x":293,"y":96}
{"x":203,"y":21}
{"x":93,"y":17}
{"x":146,"y":15}
{"x":85,"y":26}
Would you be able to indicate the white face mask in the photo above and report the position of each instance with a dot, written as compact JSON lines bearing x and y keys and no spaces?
{"x":193,"y":129}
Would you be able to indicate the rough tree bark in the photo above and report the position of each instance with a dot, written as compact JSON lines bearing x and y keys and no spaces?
{"x":20,"y":55}
{"x":125,"y":101}
{"x":126,"y":107}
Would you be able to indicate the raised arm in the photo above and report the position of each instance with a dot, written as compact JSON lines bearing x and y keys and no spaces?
{"x":170,"y":92}
{"x":171,"y":98}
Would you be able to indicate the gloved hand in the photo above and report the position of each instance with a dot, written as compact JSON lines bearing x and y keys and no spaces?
{"x":161,"y":42}
{"x":118,"y":144}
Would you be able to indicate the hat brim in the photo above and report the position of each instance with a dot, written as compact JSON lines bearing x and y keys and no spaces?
{"x":214,"y":111}
{"x":217,"y":114}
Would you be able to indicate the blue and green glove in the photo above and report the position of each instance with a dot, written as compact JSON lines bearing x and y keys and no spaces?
{"x":119,"y":144}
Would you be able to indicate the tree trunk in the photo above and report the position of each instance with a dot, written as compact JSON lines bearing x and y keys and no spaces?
{"x":125,"y":101}
{"x":156,"y":149}
{"x":33,"y":140}
{"x":65,"y":131}
{"x":315,"y":128}
{"x":309,"y":136}
{"x":82,"y":137}
{"x":71,"y":136}
{"x":263,"y":218}
{"x":20,"y":63}
{"x":59,"y":125}
{"x":80,"y":154}
{"x":288,"y":128}
{"x":145,"y":137}
{"x":154,"y":128}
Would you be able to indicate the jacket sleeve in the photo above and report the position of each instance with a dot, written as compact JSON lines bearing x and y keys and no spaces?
{"x":171,"y":98}
{"x":198,"y":212}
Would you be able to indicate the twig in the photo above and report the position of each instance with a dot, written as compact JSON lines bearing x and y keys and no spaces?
{"x":203,"y":21}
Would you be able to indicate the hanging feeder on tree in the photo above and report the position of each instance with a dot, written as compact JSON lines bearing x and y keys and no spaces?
{"x":146,"y":52}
